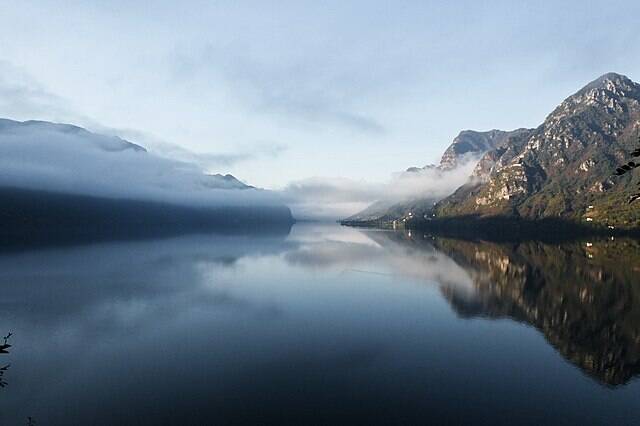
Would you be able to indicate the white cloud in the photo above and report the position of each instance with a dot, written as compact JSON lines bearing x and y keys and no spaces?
{"x":334,"y":198}
{"x":64,"y":158}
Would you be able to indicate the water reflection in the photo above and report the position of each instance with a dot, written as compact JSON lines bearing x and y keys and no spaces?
{"x":4,"y":346}
{"x":583,"y":296}
{"x":4,"y":349}
{"x":119,"y":315}
{"x":325,"y":325}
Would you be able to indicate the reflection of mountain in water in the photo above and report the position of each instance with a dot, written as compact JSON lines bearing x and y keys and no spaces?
{"x":580,"y":295}
{"x":33,"y":219}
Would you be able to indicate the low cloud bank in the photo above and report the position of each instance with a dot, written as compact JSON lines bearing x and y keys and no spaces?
{"x":69,"y":159}
{"x":335,"y":198}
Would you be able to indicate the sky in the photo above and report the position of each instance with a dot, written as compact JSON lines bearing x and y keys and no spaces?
{"x":279,"y":93}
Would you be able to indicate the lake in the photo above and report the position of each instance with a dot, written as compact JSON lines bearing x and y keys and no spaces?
{"x":321,"y":325}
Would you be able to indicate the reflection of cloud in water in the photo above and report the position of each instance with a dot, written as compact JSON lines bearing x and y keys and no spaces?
{"x":318,"y":233}
{"x":118,"y":314}
{"x":102,"y":306}
{"x":379,"y":251}
{"x":333,"y":254}
{"x":578,"y":295}
{"x":126,"y":282}
{"x":196,"y":329}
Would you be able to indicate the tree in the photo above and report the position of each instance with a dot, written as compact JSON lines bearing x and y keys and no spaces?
{"x":623,"y":169}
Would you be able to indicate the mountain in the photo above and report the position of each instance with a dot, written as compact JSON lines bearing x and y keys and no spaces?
{"x":45,"y":130}
{"x":376,"y":211}
{"x":55,"y":135}
{"x":37,"y":218}
{"x":470,"y":143}
{"x":563,"y":168}
{"x":227,"y":182}
{"x":63,"y":182}
{"x":468,"y":146}
{"x":386,"y":211}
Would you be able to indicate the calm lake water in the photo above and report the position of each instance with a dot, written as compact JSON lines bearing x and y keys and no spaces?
{"x":324,"y":325}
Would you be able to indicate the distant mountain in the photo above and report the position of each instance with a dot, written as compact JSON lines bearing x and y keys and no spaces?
{"x":470,"y":143}
{"x":468,"y":146}
{"x":24,"y":131}
{"x":564,"y":167}
{"x":376,"y":211}
{"x":44,"y":129}
{"x":385,"y":211}
{"x":37,"y":218}
{"x":228,"y":182}
{"x":59,"y":181}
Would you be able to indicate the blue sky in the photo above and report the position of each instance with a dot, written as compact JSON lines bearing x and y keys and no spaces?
{"x":276,"y":92}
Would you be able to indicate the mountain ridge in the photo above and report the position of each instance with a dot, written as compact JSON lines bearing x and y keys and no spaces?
{"x":32,"y":129}
{"x":467,"y":146}
{"x":62,"y":182}
{"x":564,"y":167}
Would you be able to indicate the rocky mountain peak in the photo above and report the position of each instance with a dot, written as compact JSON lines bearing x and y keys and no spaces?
{"x":470,"y":143}
{"x":468,"y":146}
{"x":224,"y":182}
{"x":563,"y":167}
{"x":612,"y":82}
{"x":609,"y":94}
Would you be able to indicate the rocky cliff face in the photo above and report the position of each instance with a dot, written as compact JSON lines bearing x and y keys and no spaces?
{"x":469,"y":145}
{"x":564,"y":167}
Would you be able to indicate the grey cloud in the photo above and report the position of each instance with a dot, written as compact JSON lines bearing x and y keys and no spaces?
{"x":210,"y":160}
{"x":305,"y":91}
{"x":333,"y":190}
{"x":311,"y":107}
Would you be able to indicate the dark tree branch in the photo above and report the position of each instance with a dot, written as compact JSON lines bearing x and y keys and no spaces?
{"x":631,"y":165}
